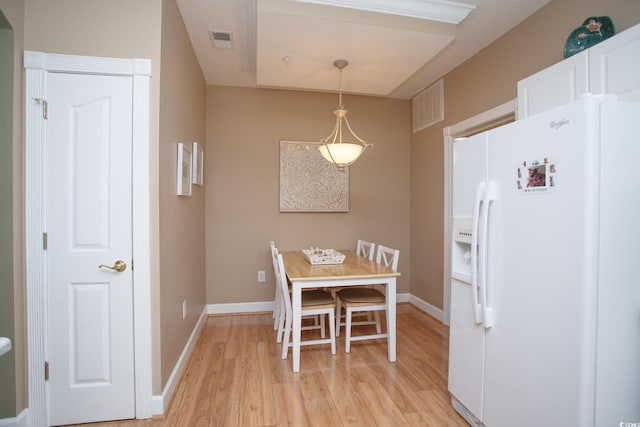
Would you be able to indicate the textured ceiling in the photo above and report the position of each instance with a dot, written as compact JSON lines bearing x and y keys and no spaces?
{"x":292,"y":44}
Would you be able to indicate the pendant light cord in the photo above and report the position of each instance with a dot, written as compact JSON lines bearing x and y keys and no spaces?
{"x":340,"y":106}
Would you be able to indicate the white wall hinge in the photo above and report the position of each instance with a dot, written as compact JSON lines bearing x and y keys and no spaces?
{"x":46,"y":371}
{"x":45,"y":107}
{"x":45,"y":241}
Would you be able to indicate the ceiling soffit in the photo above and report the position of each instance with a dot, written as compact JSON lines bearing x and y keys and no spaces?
{"x":298,"y":42}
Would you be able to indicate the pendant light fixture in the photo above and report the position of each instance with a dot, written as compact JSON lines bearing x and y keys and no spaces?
{"x":333,"y":148}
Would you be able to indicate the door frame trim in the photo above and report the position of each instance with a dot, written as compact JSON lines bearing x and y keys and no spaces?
{"x":37,"y":65}
{"x":494,"y":117}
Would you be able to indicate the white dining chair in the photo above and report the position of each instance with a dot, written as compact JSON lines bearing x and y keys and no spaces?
{"x":366,"y":249}
{"x":277,"y":303}
{"x":279,"y":307}
{"x":364,"y":299}
{"x":315,"y":302}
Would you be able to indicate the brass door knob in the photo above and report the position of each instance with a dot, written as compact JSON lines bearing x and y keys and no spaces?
{"x":119,"y":266}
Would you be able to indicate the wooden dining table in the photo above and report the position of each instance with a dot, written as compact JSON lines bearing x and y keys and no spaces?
{"x":355,"y":270}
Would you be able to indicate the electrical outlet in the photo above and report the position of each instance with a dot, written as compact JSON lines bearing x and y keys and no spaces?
{"x":261,"y":276}
{"x":184,"y":309}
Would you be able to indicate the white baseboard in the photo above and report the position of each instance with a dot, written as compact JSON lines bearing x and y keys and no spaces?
{"x":19,"y":421}
{"x":266,"y":306}
{"x":426,"y":307}
{"x":243,"y":307}
{"x":403,"y":297}
{"x":160,"y":403}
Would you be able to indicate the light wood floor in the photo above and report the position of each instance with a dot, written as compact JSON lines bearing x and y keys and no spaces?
{"x":236,"y":378}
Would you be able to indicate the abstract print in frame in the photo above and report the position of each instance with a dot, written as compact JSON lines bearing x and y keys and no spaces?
{"x":308,"y":182}
{"x":184,"y":170}
{"x":197,"y":163}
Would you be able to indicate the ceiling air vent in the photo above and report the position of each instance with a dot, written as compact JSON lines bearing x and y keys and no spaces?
{"x":428,"y":106}
{"x":220,"y":39}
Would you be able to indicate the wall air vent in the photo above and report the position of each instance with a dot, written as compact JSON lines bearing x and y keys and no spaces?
{"x":220,"y":39}
{"x":428,"y":106}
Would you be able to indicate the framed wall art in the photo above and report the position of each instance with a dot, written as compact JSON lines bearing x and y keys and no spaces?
{"x":198,"y":164}
{"x":184,"y":170}
{"x":308,"y":182}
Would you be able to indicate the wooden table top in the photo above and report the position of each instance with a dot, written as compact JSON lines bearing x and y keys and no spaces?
{"x":353,"y":267}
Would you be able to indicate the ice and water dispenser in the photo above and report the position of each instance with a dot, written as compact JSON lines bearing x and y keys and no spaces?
{"x":461,"y":248}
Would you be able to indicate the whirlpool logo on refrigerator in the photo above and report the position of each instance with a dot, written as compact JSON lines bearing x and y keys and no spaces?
{"x":536,"y":176}
{"x":557,"y":124}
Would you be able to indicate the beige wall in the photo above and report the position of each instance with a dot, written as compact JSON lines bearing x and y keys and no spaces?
{"x":483,"y":82}
{"x":244,"y":127}
{"x":182,"y":248}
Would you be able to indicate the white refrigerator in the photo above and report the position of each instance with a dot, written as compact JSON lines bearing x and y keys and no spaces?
{"x":545,"y":292}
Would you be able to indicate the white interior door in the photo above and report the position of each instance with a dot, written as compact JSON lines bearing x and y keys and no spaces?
{"x":88,"y":221}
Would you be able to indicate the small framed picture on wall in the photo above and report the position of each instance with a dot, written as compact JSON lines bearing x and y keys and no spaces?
{"x":184,"y":170}
{"x":198,"y":164}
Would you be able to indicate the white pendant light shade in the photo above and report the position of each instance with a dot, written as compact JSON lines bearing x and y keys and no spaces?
{"x":333,"y":148}
{"x":341,"y":154}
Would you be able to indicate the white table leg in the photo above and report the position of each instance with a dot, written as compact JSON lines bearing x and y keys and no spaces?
{"x":391,"y":318}
{"x":296,"y":306}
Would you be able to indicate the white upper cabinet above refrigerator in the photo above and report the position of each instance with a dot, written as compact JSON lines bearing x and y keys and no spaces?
{"x":556,"y":85}
{"x":608,"y":67}
{"x":613,"y":66}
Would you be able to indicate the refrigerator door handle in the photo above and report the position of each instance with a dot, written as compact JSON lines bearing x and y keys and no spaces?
{"x":487,"y":312}
{"x":480,"y":191}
